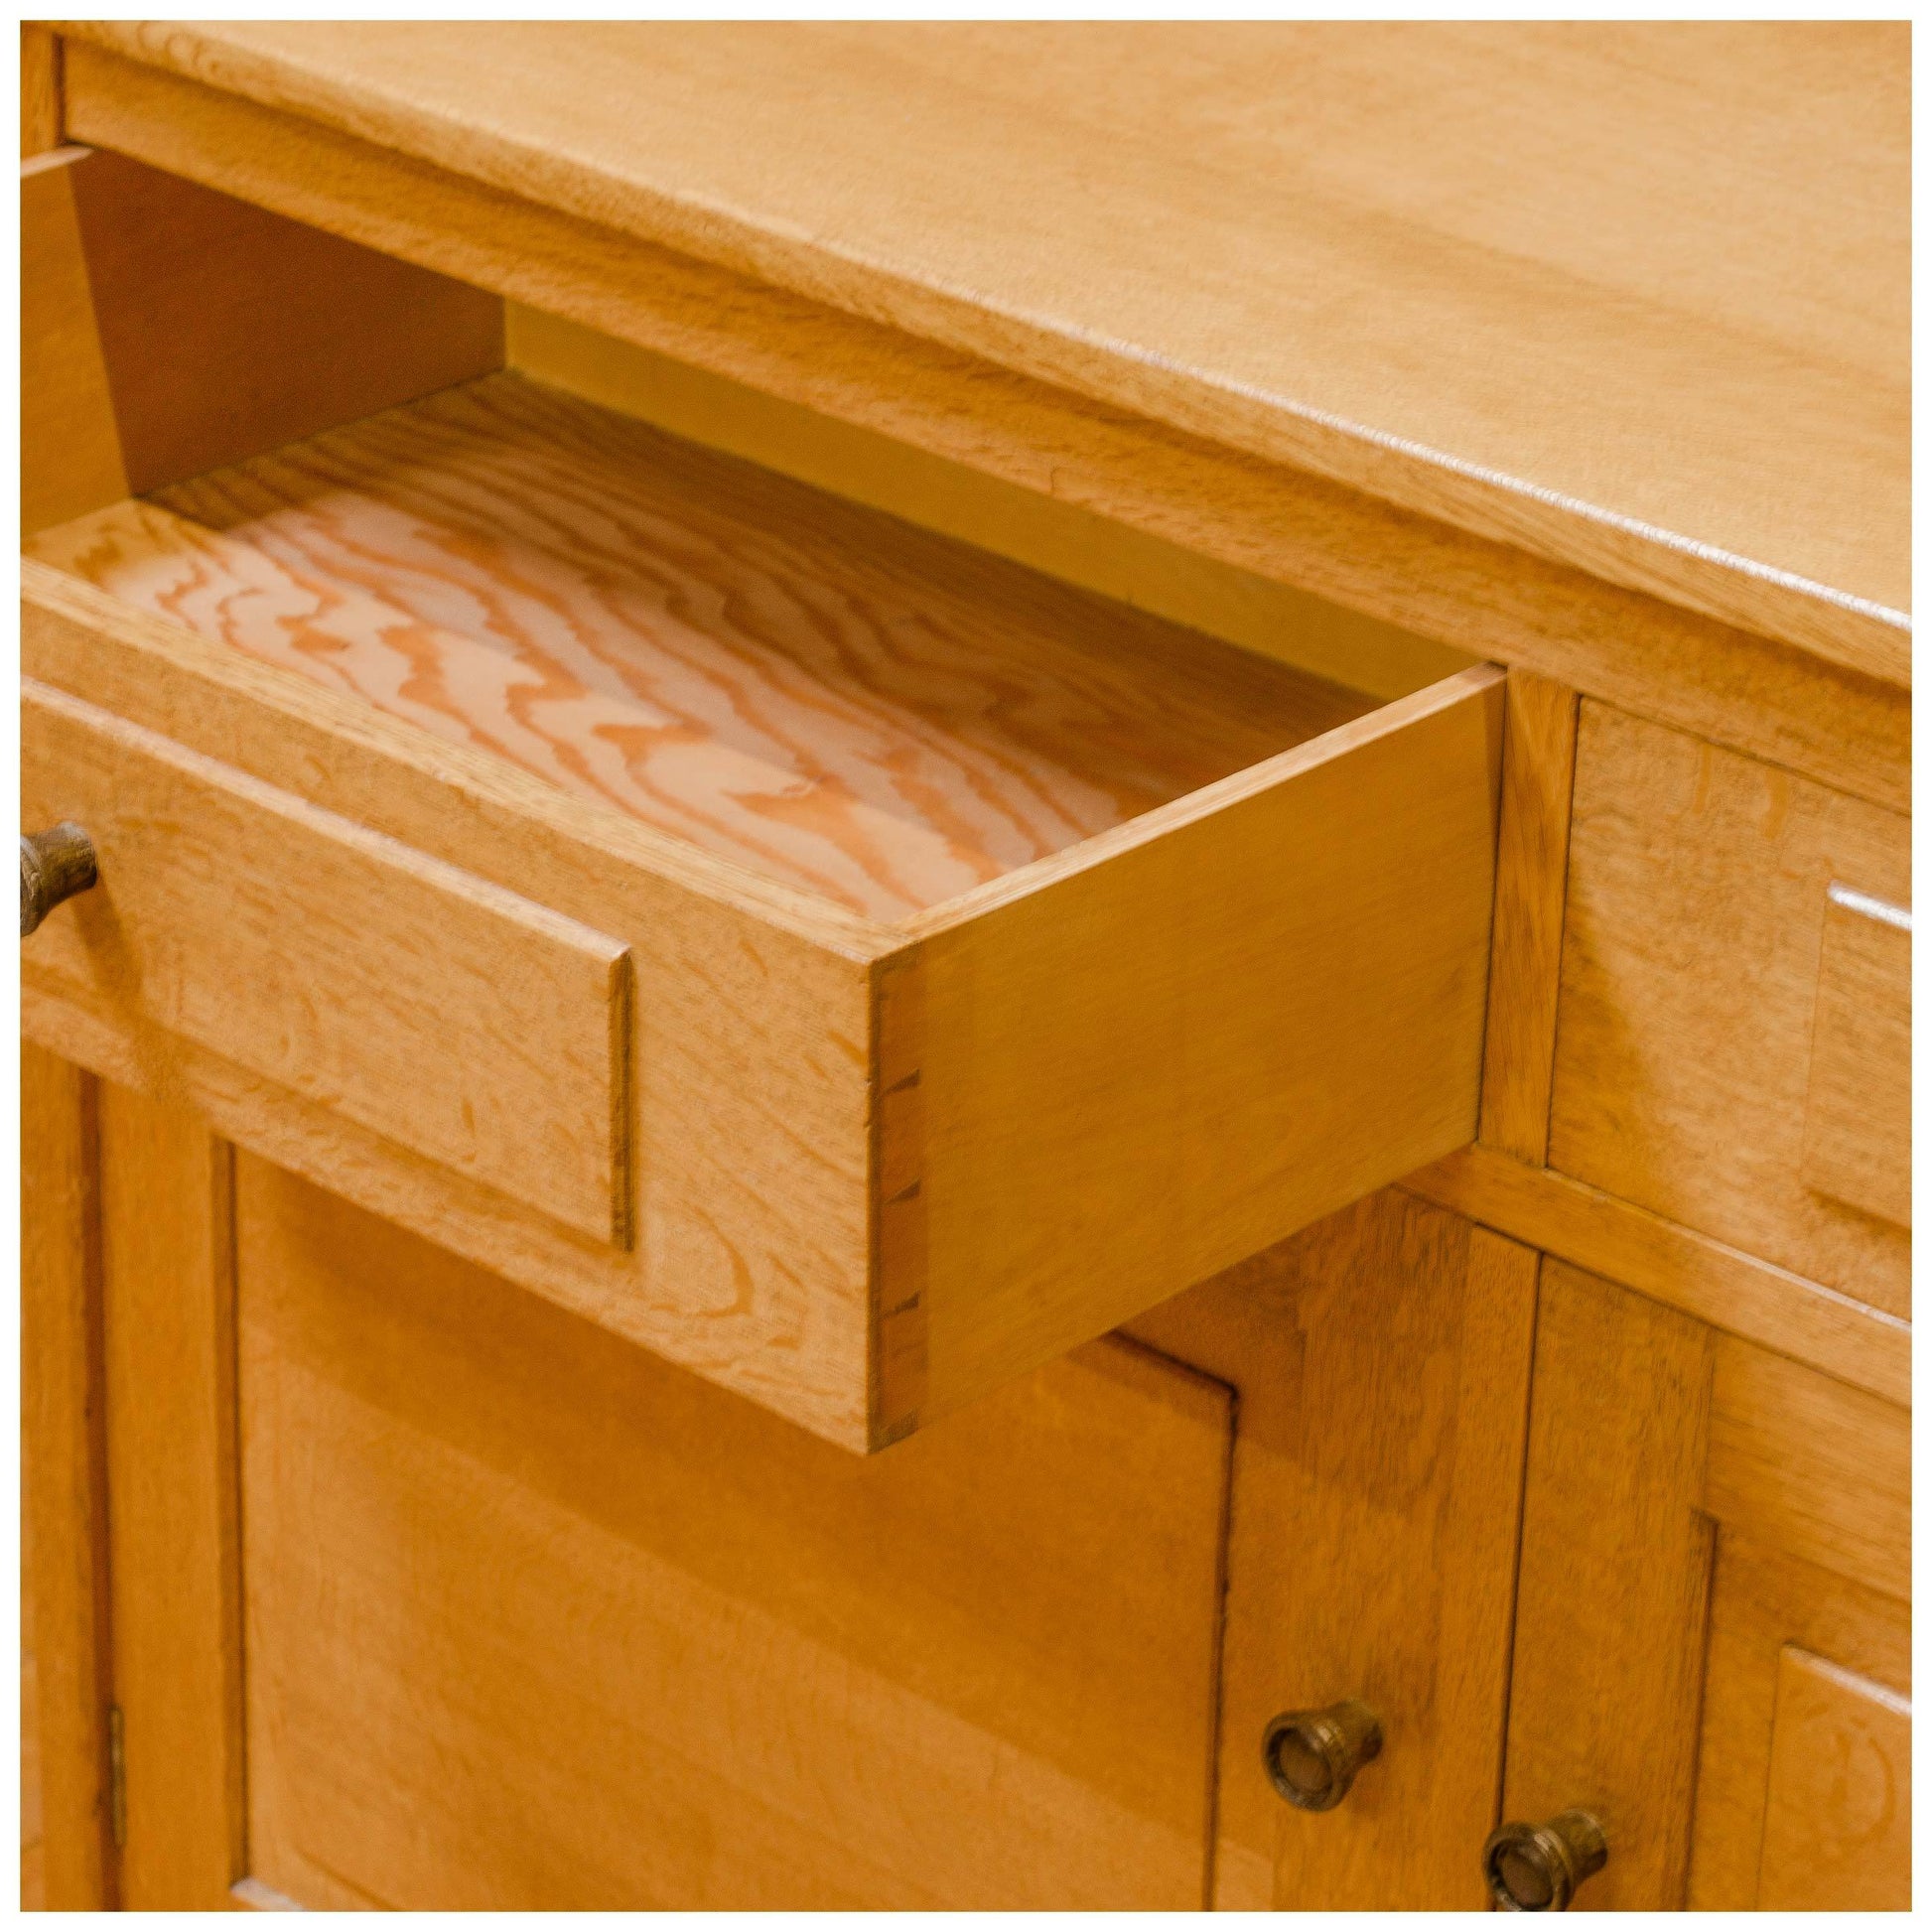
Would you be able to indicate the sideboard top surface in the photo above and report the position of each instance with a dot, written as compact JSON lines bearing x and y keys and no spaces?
{"x":1629,"y":295}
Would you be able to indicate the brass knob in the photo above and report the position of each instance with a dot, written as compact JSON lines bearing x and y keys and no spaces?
{"x":53,"y":866}
{"x":1538,"y":1868}
{"x":1313,"y":1756}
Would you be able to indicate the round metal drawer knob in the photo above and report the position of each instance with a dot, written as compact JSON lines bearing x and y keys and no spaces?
{"x":1538,"y":1868}
{"x":1312,"y":1757}
{"x":53,"y":866}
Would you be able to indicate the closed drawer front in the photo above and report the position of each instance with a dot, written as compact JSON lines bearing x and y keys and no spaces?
{"x":1002,"y":960}
{"x":1732,"y":1048}
{"x":1858,"y":1095}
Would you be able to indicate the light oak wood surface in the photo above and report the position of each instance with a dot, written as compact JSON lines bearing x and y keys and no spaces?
{"x":64,"y":1492}
{"x":1836,"y":1841}
{"x":1047,"y":530}
{"x":167,"y":1275}
{"x":1094,"y":926}
{"x":1580,"y":244}
{"x":33,"y":1846}
{"x":972,"y":956}
{"x":1111,"y":1099}
{"x":749,"y":1073}
{"x":1526,"y":946}
{"x":1734,"y":1291}
{"x":1372,"y":1562}
{"x":535,"y":1620}
{"x":1800,"y":1462}
{"x":1614,"y":1582}
{"x":1478,"y":593}
{"x":477,"y":1029}
{"x":1859,"y":1096}
{"x":1693,"y":1505}
{"x":1838,"y":1819}
{"x":734,"y":1192}
{"x":39,"y":88}
{"x":1700,"y":884}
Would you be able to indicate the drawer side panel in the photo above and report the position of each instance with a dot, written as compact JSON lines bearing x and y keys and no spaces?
{"x":1151,"y":1067}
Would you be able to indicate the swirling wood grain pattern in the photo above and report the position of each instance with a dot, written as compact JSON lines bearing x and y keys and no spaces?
{"x":816,"y":690}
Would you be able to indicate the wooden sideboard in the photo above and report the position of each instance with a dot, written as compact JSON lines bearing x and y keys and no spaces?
{"x":998,"y":990}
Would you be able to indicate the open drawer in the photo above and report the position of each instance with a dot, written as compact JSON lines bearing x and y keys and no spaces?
{"x":852,"y":966}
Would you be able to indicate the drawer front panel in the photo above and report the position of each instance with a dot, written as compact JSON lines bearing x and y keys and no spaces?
{"x":459,"y":1020}
{"x":1838,"y":1820}
{"x":1858,"y":1107}
{"x":1731,"y":1041}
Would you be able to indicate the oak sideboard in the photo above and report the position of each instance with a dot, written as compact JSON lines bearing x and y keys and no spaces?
{"x":966,"y":965}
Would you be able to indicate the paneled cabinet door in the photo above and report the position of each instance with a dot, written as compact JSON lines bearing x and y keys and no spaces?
{"x":1712,"y":1637}
{"x":1381,"y":1364}
{"x":426,"y":1593}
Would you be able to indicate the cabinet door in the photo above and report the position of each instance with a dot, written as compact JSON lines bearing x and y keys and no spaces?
{"x":427,"y":1592}
{"x":1381,"y":1361}
{"x":1712,"y":1622}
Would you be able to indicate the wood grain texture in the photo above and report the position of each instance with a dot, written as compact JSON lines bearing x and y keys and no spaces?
{"x":64,"y":1499}
{"x":472,"y":1026}
{"x":1694,"y":1506}
{"x":1586,"y":254}
{"x":1800,"y":1462}
{"x":1837,"y":1820}
{"x":1046,"y":967}
{"x":168,"y":1268}
{"x":1764,"y":1606}
{"x":883,"y":720}
{"x":1612,"y":1585}
{"x":710,"y":1099}
{"x":1526,"y":947}
{"x":1068,"y":542}
{"x":1865,"y":1347}
{"x":536,"y":1622}
{"x":1152,"y":1056}
{"x":39,"y":88}
{"x":1381,"y":1364}
{"x":33,"y":1850}
{"x":1699,"y":887}
{"x":1479,"y":594}
{"x":1858,"y":1095}
{"x":71,"y":450}
{"x":750,"y":1060}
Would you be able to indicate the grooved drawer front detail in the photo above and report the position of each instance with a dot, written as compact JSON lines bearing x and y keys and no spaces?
{"x":1838,"y":1822}
{"x":1697,"y":920}
{"x":457,"y":1019}
{"x":1858,"y":1109}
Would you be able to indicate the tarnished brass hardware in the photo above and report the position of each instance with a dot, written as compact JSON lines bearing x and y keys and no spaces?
{"x":53,"y":866}
{"x":1313,"y":1756}
{"x":1538,"y":1868}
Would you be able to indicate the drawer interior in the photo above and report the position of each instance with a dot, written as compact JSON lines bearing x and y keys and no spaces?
{"x":823,"y":693}
{"x":837,"y":701}
{"x":990,"y":946}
